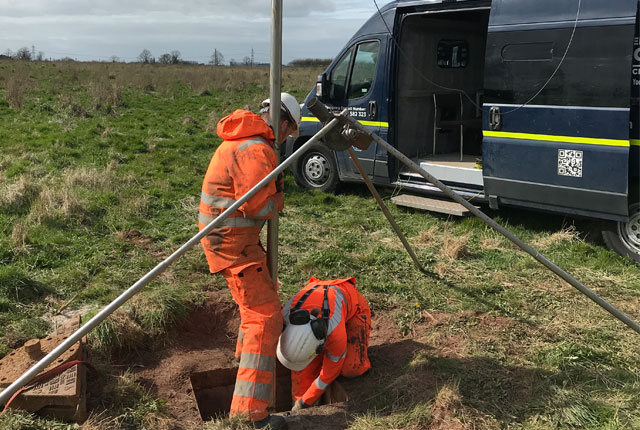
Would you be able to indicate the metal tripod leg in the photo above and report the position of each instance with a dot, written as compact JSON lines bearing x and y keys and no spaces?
{"x":506,"y":233}
{"x":386,"y":212}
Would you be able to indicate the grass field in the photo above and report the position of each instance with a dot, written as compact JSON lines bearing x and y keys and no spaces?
{"x":100,"y":174}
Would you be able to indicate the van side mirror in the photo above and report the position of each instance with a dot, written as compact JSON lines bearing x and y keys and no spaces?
{"x":322,"y":87}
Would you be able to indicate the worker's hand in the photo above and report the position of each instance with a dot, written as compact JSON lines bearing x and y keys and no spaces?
{"x":280,"y":183}
{"x":299,"y":405}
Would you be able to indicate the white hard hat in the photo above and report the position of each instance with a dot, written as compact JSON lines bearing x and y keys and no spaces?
{"x":289,"y":104}
{"x":297,"y":346}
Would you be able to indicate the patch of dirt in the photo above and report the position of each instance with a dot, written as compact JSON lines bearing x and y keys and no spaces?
{"x":204,"y":341}
{"x":401,"y":374}
{"x":141,"y":241}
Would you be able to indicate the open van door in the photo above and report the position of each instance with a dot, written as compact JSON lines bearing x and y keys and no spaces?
{"x":556,"y":108}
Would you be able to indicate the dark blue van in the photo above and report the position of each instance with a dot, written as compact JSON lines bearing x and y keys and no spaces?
{"x":529,"y":103}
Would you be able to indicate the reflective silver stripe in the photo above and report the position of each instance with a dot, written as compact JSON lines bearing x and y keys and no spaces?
{"x":247,"y":143}
{"x":267,"y":209}
{"x":254,"y":390}
{"x":250,"y":360}
{"x":286,"y":309}
{"x":337,"y":309}
{"x":321,"y":384}
{"x":240,"y":335}
{"x":336,"y":359}
{"x":232,"y":222}
{"x":219,"y":202}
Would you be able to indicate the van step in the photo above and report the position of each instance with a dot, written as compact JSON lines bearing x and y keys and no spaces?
{"x":431,"y":205}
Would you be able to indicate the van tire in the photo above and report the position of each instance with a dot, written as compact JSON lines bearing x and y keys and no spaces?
{"x":624,"y":237}
{"x":316,"y":169}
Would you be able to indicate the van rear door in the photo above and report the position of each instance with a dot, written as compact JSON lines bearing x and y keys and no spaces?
{"x":556,"y":121}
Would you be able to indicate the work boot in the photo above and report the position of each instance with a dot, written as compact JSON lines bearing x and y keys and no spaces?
{"x":272,"y":422}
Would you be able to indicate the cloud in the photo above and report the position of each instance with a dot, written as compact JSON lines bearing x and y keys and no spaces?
{"x":90,"y":30}
{"x":32,"y":8}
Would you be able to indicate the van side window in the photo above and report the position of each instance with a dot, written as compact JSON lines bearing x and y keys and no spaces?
{"x":339,"y":76}
{"x":453,"y":54}
{"x":364,"y":69}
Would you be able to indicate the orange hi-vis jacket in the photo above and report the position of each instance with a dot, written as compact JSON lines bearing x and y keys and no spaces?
{"x":343,"y":305}
{"x":244,"y":158}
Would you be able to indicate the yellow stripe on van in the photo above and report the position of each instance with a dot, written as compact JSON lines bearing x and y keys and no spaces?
{"x":550,"y":138}
{"x":635,"y":142}
{"x":369,"y":123}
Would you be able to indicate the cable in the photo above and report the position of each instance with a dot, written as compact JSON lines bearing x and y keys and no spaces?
{"x":461,"y":91}
{"x":575,"y":26}
{"x":415,"y":68}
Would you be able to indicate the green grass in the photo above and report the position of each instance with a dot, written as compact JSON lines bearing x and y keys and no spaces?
{"x":100,"y":173}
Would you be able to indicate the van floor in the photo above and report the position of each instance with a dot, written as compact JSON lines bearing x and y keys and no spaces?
{"x":449,"y":168}
{"x":451,"y":159}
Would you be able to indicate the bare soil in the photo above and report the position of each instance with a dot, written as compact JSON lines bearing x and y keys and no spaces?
{"x":205,"y":341}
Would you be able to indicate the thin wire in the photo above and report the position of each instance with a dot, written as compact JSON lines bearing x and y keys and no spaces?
{"x":575,"y":26}
{"x":461,"y":91}
{"x":414,"y":67}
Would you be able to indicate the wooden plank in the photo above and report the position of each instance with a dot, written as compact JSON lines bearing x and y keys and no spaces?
{"x":430,"y":204}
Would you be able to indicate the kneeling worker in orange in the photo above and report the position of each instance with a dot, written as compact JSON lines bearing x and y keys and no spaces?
{"x":326,"y":335}
{"x":233,"y":249}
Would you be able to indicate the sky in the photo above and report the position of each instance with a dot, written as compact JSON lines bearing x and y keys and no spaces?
{"x":90,"y":30}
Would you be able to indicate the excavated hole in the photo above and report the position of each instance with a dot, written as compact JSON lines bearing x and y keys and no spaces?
{"x":213,"y":390}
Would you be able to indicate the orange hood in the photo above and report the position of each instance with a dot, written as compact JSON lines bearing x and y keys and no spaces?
{"x":243,"y":124}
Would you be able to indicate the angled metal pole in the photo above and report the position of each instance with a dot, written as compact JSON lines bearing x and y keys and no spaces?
{"x":513,"y":238}
{"x":385,"y":211}
{"x":274,"y":96}
{"x":23,"y":380}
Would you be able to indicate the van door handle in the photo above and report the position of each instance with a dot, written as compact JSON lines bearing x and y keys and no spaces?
{"x":495,"y":118}
{"x":373,"y":110}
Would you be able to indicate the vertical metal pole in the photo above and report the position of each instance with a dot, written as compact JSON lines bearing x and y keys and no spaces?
{"x":274,"y":96}
{"x":274,"y":110}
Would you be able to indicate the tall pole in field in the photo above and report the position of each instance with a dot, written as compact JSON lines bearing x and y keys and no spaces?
{"x":274,"y":95}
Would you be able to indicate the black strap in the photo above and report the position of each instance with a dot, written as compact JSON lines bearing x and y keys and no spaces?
{"x":325,"y":302}
{"x":304,"y":297}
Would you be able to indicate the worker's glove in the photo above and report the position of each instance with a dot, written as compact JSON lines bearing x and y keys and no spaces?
{"x":280,"y":183}
{"x":299,"y":405}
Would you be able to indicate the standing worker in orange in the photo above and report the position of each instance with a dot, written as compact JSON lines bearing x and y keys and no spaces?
{"x":245,"y":157}
{"x":326,"y":335}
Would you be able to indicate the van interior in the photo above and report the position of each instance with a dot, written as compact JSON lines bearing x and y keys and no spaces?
{"x":438,"y":126}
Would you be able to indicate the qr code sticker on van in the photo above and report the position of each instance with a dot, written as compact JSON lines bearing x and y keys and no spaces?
{"x":570,"y":163}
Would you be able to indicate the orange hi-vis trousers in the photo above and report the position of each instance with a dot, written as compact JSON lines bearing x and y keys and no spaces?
{"x":261,"y":324}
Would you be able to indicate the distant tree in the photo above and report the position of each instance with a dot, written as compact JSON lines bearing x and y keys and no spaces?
{"x":9,"y":53}
{"x":233,"y":62}
{"x":310,"y":62}
{"x":23,"y":54}
{"x":40,"y":56}
{"x":175,"y":57}
{"x":246,"y":61}
{"x":164,"y":59}
{"x":114,"y":58}
{"x":217,"y":59}
{"x":146,"y":57}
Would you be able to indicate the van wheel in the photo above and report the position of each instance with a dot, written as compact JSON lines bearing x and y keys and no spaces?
{"x":316,"y":169}
{"x":624,"y":237}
